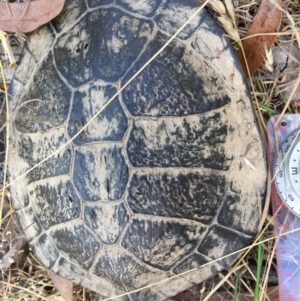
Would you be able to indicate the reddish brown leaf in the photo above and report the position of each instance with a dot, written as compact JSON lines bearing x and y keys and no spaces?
{"x":63,"y":285}
{"x":273,"y":293}
{"x":26,"y":17}
{"x":267,"y":20}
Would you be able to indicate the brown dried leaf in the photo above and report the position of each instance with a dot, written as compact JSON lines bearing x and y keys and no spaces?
{"x":273,"y":293}
{"x":267,"y":20}
{"x":63,"y":285}
{"x":26,"y":17}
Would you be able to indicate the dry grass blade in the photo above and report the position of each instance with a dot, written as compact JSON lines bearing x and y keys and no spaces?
{"x":7,"y":141}
{"x":7,"y":49}
{"x":218,"y":6}
{"x":263,"y":295}
{"x":289,"y":100}
{"x":14,"y":113}
{"x":230,"y":9}
{"x":269,"y":59}
{"x":226,"y":17}
{"x":222,"y":281}
{"x":31,"y":292}
{"x":229,"y":27}
{"x":267,"y":204}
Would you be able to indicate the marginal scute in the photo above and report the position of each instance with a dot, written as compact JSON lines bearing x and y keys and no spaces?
{"x":117,"y":266}
{"x":173,"y":15}
{"x":68,"y":270}
{"x":30,"y":224}
{"x":110,"y":125}
{"x":215,"y":244}
{"x":43,"y":36}
{"x":17,"y":90}
{"x":190,"y":195}
{"x":45,"y":250}
{"x":118,"y":36}
{"x":173,"y":286}
{"x":55,"y":202}
{"x":146,"y":294}
{"x":200,"y":268}
{"x":192,"y":141}
{"x":201,"y":42}
{"x":48,"y":108}
{"x":77,"y":242}
{"x":21,"y":196}
{"x":193,"y":261}
{"x":72,"y":11}
{"x":28,"y":61}
{"x":173,"y":84}
{"x":237,"y":210}
{"x":101,"y":172}
{"x":160,"y":243}
{"x":216,"y":50}
{"x":95,"y":284}
{"x":33,"y":148}
{"x":234,"y":215}
{"x":106,"y":220}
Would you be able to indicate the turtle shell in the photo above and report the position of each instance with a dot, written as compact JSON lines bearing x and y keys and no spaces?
{"x":141,"y":181}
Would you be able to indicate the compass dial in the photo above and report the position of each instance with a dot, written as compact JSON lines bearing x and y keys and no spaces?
{"x":287,"y":172}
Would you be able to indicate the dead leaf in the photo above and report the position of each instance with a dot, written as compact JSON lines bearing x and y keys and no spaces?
{"x":273,"y":293}
{"x":63,"y":285}
{"x":28,"y":16}
{"x":267,"y":20}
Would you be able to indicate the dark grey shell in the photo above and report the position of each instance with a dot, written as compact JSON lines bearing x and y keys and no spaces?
{"x":158,"y":183}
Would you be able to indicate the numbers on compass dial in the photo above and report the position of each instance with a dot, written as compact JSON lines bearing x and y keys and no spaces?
{"x":294,"y":171}
{"x":287,"y":148}
{"x":294,"y":167}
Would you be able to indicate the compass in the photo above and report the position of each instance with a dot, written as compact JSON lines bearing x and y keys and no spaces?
{"x":284,"y":160}
{"x":286,"y":169}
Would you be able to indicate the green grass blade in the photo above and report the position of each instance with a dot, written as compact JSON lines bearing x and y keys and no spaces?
{"x":236,"y":286}
{"x":260,"y":256}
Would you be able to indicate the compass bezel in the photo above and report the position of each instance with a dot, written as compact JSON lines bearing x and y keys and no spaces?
{"x":286,"y":170}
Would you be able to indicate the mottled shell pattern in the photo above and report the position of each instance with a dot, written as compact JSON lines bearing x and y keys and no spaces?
{"x":155,"y":185}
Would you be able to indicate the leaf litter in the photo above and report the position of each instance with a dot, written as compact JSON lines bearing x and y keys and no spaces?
{"x":260,"y":36}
